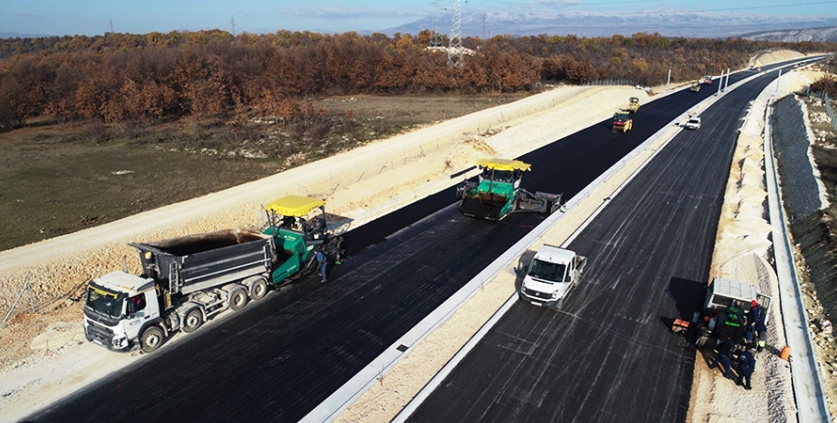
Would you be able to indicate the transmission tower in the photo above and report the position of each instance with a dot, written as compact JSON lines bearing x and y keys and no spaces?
{"x":436,"y":39}
{"x":455,"y":46}
{"x":232,"y":22}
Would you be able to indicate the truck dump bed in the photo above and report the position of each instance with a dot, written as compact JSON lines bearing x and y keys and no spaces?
{"x":194,"y":262}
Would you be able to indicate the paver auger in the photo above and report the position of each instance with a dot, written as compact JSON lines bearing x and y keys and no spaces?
{"x":497,"y":192}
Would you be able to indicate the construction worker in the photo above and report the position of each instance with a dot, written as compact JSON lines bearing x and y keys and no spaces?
{"x":746,"y":365}
{"x":322,"y":261}
{"x":724,"y":353}
{"x":761,"y":335}
{"x":756,"y":327}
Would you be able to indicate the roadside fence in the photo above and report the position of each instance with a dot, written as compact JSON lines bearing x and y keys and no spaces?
{"x":27,"y":287}
{"x":612,"y":82}
{"x":824,"y":97}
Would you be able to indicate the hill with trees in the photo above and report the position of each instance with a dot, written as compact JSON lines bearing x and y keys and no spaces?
{"x":212,"y":75}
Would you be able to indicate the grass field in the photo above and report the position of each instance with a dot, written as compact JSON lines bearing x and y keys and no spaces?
{"x":58,"y":179}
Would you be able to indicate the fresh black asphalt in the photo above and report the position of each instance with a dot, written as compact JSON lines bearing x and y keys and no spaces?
{"x":608,"y":356}
{"x":280,"y":357}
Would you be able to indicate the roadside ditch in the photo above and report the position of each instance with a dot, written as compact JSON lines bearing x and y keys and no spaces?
{"x":812,"y":222}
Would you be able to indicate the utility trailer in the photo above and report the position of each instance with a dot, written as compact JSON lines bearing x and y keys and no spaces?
{"x":187,"y":280}
{"x":726,"y":314}
{"x":496,"y":193}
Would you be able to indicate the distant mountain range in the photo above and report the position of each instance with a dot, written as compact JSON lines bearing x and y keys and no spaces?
{"x":590,"y":24}
{"x":808,"y":34}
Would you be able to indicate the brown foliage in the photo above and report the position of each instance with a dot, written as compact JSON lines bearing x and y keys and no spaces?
{"x":212,"y":75}
{"x":826,"y":84}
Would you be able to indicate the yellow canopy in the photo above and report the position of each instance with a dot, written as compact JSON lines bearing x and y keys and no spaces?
{"x":294,"y":205}
{"x":503,"y":164}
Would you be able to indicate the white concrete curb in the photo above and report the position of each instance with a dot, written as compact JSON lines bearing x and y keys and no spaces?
{"x":805,"y":373}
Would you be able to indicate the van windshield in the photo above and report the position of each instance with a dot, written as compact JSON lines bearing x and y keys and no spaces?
{"x":544,"y":270}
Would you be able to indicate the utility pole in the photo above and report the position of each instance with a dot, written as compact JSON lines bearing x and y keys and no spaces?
{"x":232,"y":22}
{"x":778,"y":81}
{"x":727,"y":84}
{"x":455,"y":46}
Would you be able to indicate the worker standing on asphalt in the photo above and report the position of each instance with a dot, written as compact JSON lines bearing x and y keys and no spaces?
{"x":747,"y":365}
{"x":724,"y":353}
{"x":322,"y":261}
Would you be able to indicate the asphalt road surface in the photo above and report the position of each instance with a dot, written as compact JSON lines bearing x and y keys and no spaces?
{"x":278,"y":358}
{"x":608,"y":356}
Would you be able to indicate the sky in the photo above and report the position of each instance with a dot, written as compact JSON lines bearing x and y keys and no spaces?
{"x":95,"y":17}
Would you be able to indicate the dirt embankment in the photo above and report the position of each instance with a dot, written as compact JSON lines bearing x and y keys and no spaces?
{"x":812,"y":224}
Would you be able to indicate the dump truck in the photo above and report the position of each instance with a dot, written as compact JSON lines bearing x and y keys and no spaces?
{"x":695,"y":87}
{"x":496,"y":192}
{"x":726,"y":313}
{"x":187,"y":280}
{"x":633,"y":105}
{"x":552,"y":274}
{"x":622,"y":121}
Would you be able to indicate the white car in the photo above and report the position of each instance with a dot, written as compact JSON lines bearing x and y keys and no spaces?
{"x":692,"y":123}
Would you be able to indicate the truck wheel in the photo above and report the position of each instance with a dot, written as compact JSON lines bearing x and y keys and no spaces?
{"x":238,"y":298}
{"x":151,"y":339}
{"x":193,"y":320}
{"x":258,"y":290}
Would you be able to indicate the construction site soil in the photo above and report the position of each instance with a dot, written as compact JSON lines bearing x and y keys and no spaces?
{"x":361,"y":184}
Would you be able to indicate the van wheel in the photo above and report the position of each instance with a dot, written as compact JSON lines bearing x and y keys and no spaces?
{"x":193,"y":320}
{"x":258,"y":290}
{"x":238,"y":298}
{"x":151,"y":339}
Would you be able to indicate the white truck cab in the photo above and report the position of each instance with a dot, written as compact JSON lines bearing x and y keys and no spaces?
{"x":117,"y":309}
{"x":551,"y":275}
